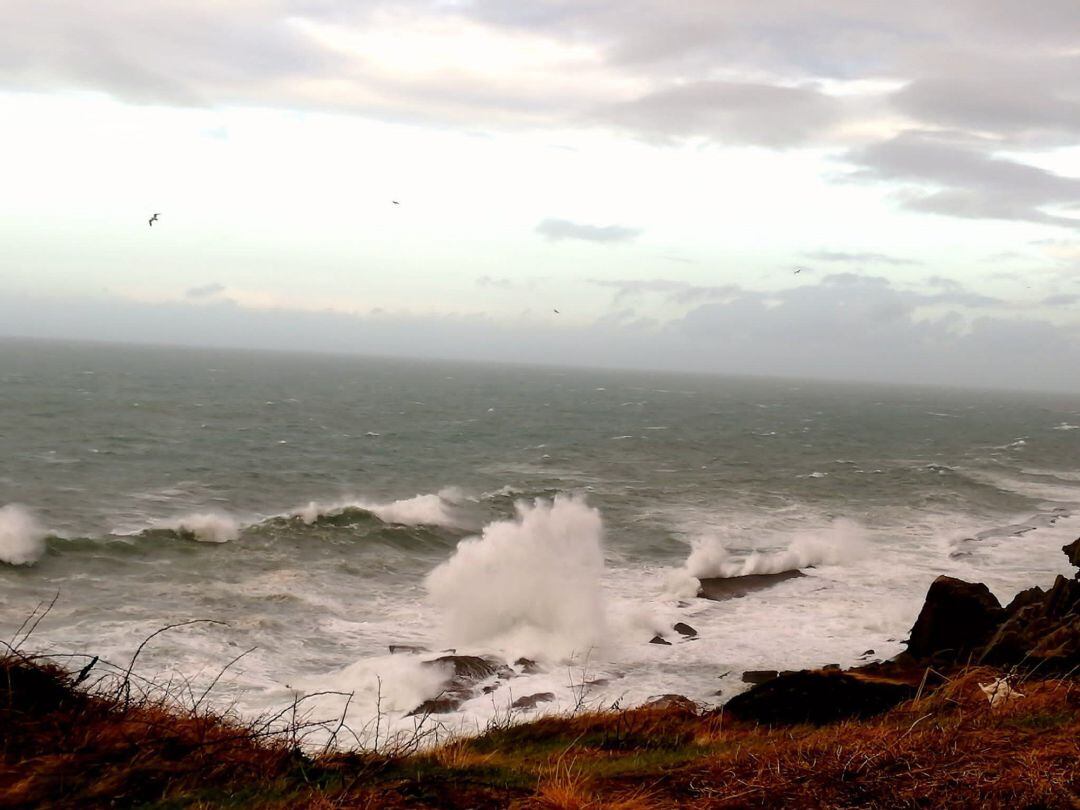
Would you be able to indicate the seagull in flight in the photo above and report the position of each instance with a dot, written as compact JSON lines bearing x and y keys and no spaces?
{"x":555,"y":310}
{"x":153,"y":219}
{"x":395,"y":202}
{"x":798,"y":270}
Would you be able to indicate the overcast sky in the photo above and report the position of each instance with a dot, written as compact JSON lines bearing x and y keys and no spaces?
{"x":655,"y":171}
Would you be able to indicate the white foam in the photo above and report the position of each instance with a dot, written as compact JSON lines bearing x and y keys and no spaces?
{"x":528,"y":586}
{"x":432,"y":509}
{"x":22,"y":539}
{"x":208,"y":527}
{"x":841,"y":542}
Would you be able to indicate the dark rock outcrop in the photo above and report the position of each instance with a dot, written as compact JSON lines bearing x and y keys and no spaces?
{"x":684,"y":629}
{"x":1072,"y":551}
{"x":443,"y":704}
{"x":956,"y":619}
{"x":467,"y":672}
{"x":758,"y":676}
{"x":659,"y":640}
{"x":721,"y":588}
{"x":817,"y":698}
{"x":531,"y":701}
{"x":1042,"y":627}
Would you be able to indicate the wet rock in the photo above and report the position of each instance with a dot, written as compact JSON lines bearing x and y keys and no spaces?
{"x":440,"y":705}
{"x":471,"y":668}
{"x":684,"y":629}
{"x":720,"y":589}
{"x":530,"y":701}
{"x":866,"y":653}
{"x":659,"y":640}
{"x":528,"y":666}
{"x":831,"y":668}
{"x":816,"y":697}
{"x":957,"y":618}
{"x":679,"y":703}
{"x":758,"y":676}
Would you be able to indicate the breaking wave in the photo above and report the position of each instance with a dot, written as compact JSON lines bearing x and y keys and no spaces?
{"x":530,"y":585}
{"x":22,"y":539}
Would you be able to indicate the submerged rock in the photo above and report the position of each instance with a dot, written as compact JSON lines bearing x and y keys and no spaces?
{"x":659,"y":640}
{"x":816,"y":697}
{"x":684,"y":629}
{"x":407,"y":649}
{"x":443,"y":704}
{"x":721,"y":588}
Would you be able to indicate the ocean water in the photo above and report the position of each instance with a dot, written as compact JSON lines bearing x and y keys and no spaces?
{"x":323,"y":508}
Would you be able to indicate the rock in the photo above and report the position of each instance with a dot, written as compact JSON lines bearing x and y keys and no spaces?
{"x":528,"y":666}
{"x":757,"y":676}
{"x":957,"y":618}
{"x":471,"y":668}
{"x":831,"y":668}
{"x":1043,"y":627}
{"x":530,"y":701}
{"x":816,"y":698}
{"x":440,"y":705}
{"x":1072,"y":551}
{"x":678,"y":703}
{"x":866,"y":653}
{"x":684,"y":629}
{"x":659,"y":640}
{"x":721,"y":588}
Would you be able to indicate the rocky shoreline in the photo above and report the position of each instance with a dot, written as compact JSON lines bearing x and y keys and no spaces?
{"x":961,"y":624}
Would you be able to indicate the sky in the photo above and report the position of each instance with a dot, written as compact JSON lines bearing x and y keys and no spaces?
{"x":657,"y":172}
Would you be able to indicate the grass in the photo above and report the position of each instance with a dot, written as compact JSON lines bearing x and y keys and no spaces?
{"x":127,"y":743}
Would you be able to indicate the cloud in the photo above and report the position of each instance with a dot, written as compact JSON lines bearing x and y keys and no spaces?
{"x":509,"y":283}
{"x":556,"y":229}
{"x":857,"y":258}
{"x":205,"y":291}
{"x":945,"y":176}
{"x":742,"y":113}
{"x":847,"y":326}
{"x":677,"y":291}
{"x":1060,"y":300}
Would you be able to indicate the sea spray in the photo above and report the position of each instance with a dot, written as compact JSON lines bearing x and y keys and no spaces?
{"x":842,"y":541}
{"x":530,"y":586}
{"x":22,"y":539}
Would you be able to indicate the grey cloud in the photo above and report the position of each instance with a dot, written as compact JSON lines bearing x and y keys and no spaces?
{"x":859,"y":258}
{"x":205,"y":291}
{"x":509,"y":283}
{"x":556,"y":229}
{"x":964,"y":181}
{"x":1060,"y":300}
{"x":730,"y":112}
{"x":846,"y":327}
{"x":678,"y":291}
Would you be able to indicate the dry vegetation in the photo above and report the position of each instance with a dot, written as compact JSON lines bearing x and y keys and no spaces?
{"x":132,"y":744}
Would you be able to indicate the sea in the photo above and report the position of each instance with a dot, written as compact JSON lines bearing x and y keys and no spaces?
{"x":297,"y":515}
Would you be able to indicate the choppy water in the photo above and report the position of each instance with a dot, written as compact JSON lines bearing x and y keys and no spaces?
{"x":305,"y":500}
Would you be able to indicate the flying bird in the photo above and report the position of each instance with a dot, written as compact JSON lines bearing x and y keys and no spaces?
{"x":798,"y":270}
{"x":153,"y":219}
{"x":555,"y":310}
{"x":395,"y":202}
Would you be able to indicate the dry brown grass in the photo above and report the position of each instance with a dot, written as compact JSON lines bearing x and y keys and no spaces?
{"x":60,"y":746}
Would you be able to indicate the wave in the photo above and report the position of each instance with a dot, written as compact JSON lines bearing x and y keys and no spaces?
{"x":206,"y":527}
{"x":433,"y":509}
{"x":841,"y":542}
{"x":22,"y":539}
{"x":530,"y":585}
